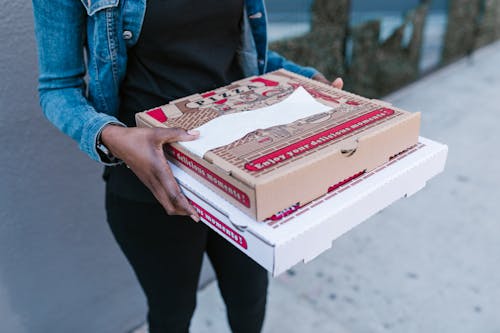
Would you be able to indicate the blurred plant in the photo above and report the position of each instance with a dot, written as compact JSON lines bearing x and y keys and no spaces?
{"x":374,"y":68}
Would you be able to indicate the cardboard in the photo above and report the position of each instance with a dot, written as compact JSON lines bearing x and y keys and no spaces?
{"x":279,"y":244}
{"x":271,"y":171}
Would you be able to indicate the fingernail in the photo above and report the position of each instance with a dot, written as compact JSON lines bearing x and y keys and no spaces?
{"x":195,"y":218}
{"x":193,"y":132}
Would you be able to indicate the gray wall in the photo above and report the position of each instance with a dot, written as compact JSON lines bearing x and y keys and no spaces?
{"x":60,"y":269}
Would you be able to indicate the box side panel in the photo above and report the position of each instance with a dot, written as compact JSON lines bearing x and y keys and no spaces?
{"x":215,"y":178}
{"x":254,"y":247}
{"x":312,"y":177}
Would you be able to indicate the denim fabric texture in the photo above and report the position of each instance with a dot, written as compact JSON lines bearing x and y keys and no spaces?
{"x":82,"y":54}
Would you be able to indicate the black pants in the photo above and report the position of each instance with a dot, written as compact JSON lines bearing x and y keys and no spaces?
{"x":166,"y":253}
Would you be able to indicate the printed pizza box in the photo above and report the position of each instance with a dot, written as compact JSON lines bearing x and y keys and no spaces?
{"x":300,"y":236}
{"x":288,"y":139}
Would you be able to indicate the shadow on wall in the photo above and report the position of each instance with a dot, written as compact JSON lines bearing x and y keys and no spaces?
{"x":374,"y":68}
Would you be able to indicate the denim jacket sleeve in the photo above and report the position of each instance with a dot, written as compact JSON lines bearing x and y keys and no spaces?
{"x":60,"y":35}
{"x":276,"y":61}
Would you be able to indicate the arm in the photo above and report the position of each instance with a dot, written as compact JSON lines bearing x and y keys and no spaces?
{"x":276,"y":61}
{"x":60,"y":28}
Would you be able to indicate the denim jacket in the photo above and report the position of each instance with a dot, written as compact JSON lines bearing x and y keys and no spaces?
{"x":82,"y":53}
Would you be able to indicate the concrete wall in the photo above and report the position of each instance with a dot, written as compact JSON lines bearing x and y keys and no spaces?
{"x":60,"y":269}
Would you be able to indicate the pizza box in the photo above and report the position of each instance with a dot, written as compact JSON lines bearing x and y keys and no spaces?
{"x":301,"y":235}
{"x":263,"y":138}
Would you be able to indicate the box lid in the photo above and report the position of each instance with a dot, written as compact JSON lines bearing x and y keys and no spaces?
{"x":264,"y":154}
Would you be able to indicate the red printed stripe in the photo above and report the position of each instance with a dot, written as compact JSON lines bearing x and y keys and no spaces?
{"x":158,"y":115}
{"x":284,"y":213}
{"x":213,"y":178}
{"x":345,"y":181}
{"x":267,"y":83}
{"x":300,"y":147}
{"x":221,"y":226}
{"x":208,"y":94}
{"x":222,"y":101}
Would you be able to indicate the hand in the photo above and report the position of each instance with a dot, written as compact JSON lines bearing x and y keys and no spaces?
{"x":337,"y":83}
{"x":142,"y":150}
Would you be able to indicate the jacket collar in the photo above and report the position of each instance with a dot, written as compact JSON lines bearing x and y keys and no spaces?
{"x":93,"y":6}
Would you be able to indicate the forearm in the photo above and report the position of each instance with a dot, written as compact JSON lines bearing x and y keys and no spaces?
{"x":59,"y":30}
{"x":71,"y":113}
{"x":276,"y":61}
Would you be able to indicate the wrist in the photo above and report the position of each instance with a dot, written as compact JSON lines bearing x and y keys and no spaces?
{"x":106,"y":140}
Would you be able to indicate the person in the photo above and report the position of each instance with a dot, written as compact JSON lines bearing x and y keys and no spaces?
{"x":100,"y":62}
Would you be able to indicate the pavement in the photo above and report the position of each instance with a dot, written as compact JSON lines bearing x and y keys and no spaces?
{"x":429,"y":263}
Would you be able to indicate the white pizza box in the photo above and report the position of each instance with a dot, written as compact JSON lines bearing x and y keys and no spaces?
{"x":277,"y":245}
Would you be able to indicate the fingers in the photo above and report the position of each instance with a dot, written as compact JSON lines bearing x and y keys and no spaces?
{"x":321,"y":78}
{"x":168,"y":135}
{"x":338,"y":83}
{"x":142,"y":150}
{"x":170,"y":195}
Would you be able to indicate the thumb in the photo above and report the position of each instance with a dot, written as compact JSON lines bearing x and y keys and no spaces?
{"x":338,"y":83}
{"x":169,"y":135}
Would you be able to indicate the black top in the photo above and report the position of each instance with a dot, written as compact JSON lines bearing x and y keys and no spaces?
{"x":185,"y":47}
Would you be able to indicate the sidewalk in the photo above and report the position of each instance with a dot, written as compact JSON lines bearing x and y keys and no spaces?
{"x":426,"y":264}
